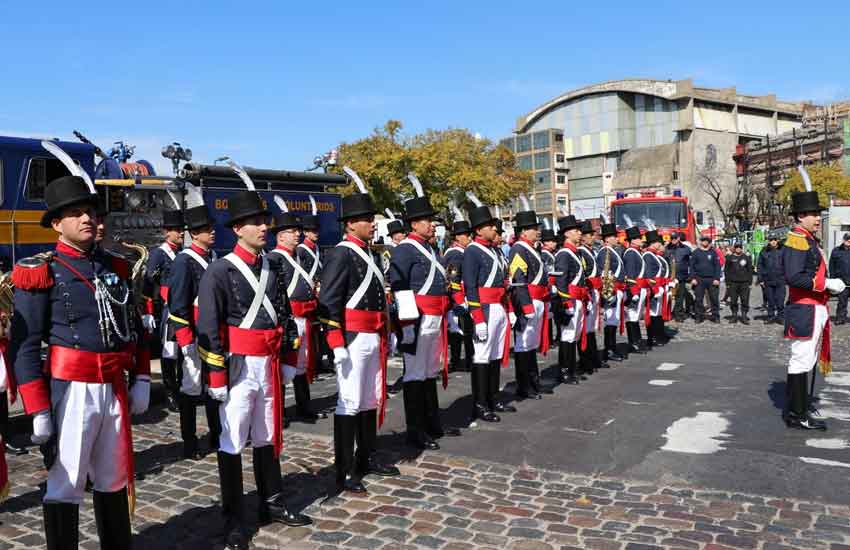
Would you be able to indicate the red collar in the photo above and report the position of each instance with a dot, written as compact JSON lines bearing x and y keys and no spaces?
{"x":248,"y":257}
{"x":635,"y":247}
{"x":804,"y":231}
{"x":532,"y":243}
{"x":570,"y":246}
{"x":416,"y":238}
{"x":483,"y":242}
{"x":310,"y":244}
{"x":68,"y":250}
{"x":199,"y":250}
{"x":289,"y":251}
{"x":457,"y":244}
{"x":174,"y":247}
{"x":355,"y":240}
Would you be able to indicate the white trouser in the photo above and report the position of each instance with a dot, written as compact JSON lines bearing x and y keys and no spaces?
{"x":249,"y":407}
{"x":358,"y":378}
{"x":301,"y":367}
{"x":427,"y":362}
{"x":190,"y":367}
{"x":571,"y":332}
{"x":635,"y":313}
{"x":612,"y":314}
{"x":656,"y":303}
{"x":529,"y":338}
{"x":494,"y":347}
{"x":88,"y":424}
{"x":804,"y":353}
{"x":169,"y":347}
{"x":592,"y":310}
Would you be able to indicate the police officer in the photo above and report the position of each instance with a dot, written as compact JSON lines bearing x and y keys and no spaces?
{"x":612,"y":307}
{"x":839,"y":268}
{"x":156,"y":278}
{"x":245,"y":316}
{"x":636,"y":288}
{"x":484,"y":286}
{"x":352,"y":307}
{"x":530,"y":297}
{"x":81,"y":406}
{"x":679,"y":254}
{"x":705,"y":276}
{"x":419,"y":286}
{"x":302,"y":300}
{"x":739,"y":278}
{"x":807,"y":314}
{"x":183,"y":298}
{"x":459,"y":321}
{"x":590,"y":356}
{"x":771,"y":277}
{"x":569,"y":305}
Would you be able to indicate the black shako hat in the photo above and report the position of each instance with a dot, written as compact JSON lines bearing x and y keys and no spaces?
{"x":243,"y":205}
{"x":568,"y":222}
{"x":356,"y":205}
{"x":172,"y":219}
{"x":548,"y":235}
{"x":461,"y":227}
{"x":586,"y":227}
{"x":64,"y":192}
{"x":652,"y":236}
{"x":197,"y":217}
{"x":480,"y":215}
{"x":395,"y":226}
{"x":418,"y":207}
{"x":310,"y":222}
{"x":632,"y":233}
{"x":285,"y":220}
{"x":526,"y":219}
{"x":608,"y":230}
{"x":805,"y":201}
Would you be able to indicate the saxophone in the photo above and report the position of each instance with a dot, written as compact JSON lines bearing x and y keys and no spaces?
{"x":608,"y":288}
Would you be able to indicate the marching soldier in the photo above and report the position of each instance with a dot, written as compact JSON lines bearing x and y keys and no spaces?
{"x":590,"y":356}
{"x":299,"y":288}
{"x":157,"y":273}
{"x":807,"y":314}
{"x":569,"y":305}
{"x":244,"y":316}
{"x":352,"y":306}
{"x":530,"y":297}
{"x":419,"y":286}
{"x":608,"y":258}
{"x":705,"y":273}
{"x":459,"y":321}
{"x":484,"y":286}
{"x":78,"y":300}
{"x":636,"y":291}
{"x":184,"y":282}
{"x":656,"y":276}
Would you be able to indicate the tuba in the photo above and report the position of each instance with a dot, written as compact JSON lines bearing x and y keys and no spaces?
{"x":137,"y":274}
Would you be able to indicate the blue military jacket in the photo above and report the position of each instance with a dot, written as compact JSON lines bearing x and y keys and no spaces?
{"x":653,"y":265}
{"x":310,"y":258}
{"x":479,"y":272}
{"x":410,"y":269}
{"x":302,"y":287}
{"x":570,"y":271}
{"x":185,"y":285}
{"x":453,"y":262}
{"x":159,"y":268}
{"x":615,"y":264}
{"x":805,"y":274}
{"x":526,"y":267}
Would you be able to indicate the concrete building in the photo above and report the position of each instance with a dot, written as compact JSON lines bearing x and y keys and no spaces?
{"x":639,"y":135}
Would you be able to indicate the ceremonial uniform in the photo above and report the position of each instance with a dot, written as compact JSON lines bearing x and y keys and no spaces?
{"x":636,"y":290}
{"x":570,"y":305}
{"x":656,"y":275}
{"x":612,"y":306}
{"x":352,"y":308}
{"x":590,"y":355}
{"x":459,"y":322}
{"x":183,"y":300}
{"x":80,"y":304}
{"x":705,"y":269}
{"x":245,"y":317}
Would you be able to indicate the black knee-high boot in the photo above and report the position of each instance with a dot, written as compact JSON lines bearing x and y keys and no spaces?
{"x":112,"y":516}
{"x":611,"y":352}
{"x":230,"y":478}
{"x":211,"y":407}
{"x":598,"y":362}
{"x":367,"y":439}
{"x":345,"y":429}
{"x":188,"y":427}
{"x":569,"y":367}
{"x":493,"y":380}
{"x":414,"y":414}
{"x":61,"y":525}
{"x":455,"y":343}
{"x":521,"y":370}
{"x":798,"y":415}
{"x":271,"y":505}
{"x":480,"y":374}
{"x":534,"y":374}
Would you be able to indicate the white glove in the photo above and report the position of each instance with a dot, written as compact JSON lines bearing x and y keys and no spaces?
{"x":674,"y":283}
{"x":835,"y":286}
{"x":219,"y":394}
{"x":148,"y":322}
{"x":4,"y":378}
{"x":190,"y":350}
{"x":340,"y":355}
{"x":140,"y":395}
{"x":481,"y":332}
{"x":529,"y":315}
{"x":512,"y":318}
{"x":42,"y":428}
{"x":288,"y":373}
{"x":408,"y":334}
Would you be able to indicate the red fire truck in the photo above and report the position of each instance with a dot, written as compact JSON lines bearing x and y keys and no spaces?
{"x":667,"y":213}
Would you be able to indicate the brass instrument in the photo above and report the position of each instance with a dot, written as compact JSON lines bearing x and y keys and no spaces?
{"x":7,"y":296}
{"x":137,"y":274}
{"x":673,"y":268}
{"x":608,"y":280}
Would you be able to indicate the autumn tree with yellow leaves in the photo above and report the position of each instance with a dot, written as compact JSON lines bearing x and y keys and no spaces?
{"x":826,"y":179}
{"x":447,"y":162}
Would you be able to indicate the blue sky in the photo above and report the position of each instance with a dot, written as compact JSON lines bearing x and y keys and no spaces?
{"x":272,"y":84}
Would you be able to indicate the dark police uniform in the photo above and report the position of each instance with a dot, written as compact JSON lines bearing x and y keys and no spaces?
{"x":771,"y":275}
{"x":839,"y":268}
{"x":739,"y":278}
{"x":680,"y":255}
{"x":705,"y":269}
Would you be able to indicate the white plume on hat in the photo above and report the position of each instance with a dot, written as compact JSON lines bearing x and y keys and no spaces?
{"x":416,"y":185}
{"x":74,"y":168}
{"x":194,"y":196}
{"x":243,"y":175}
{"x":474,"y":199}
{"x":458,"y":215}
{"x":390,"y":214}
{"x":628,"y":220}
{"x":313,"y":207}
{"x":547,"y":224}
{"x":807,"y":182}
{"x":523,"y":201}
{"x":359,"y":182}
{"x":278,"y":200}
{"x":648,"y":223}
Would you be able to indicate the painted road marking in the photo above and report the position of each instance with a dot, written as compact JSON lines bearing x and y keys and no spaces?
{"x":828,"y":443}
{"x":824,"y":462}
{"x":839,"y":378}
{"x":668,"y":366}
{"x":700,"y":434}
{"x":661,"y":382}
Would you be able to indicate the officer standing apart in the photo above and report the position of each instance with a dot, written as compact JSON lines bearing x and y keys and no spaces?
{"x":679,"y":254}
{"x":807,"y":314}
{"x":612,"y":306}
{"x":569,"y":304}
{"x":419,"y":286}
{"x":739,"y":279}
{"x":530,"y":295}
{"x":352,"y":307}
{"x":244,"y":316}
{"x":459,"y":321}
{"x":484,"y":285}
{"x":636,"y":289}
{"x":771,"y":277}
{"x":705,"y":276}
{"x":185,"y":285}
{"x":157,"y":274}
{"x":81,"y":406}
{"x":839,"y":268}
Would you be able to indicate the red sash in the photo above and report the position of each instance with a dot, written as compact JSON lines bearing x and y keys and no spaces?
{"x":306,"y":309}
{"x":163,"y":293}
{"x":101,"y":368}
{"x":263,"y":343}
{"x":816,"y":298}
{"x":373,"y":322}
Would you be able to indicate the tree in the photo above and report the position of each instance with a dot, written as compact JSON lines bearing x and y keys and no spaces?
{"x":829,"y":178}
{"x":448,"y":163}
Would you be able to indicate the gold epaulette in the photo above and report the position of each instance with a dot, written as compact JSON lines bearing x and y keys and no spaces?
{"x":797,"y":241}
